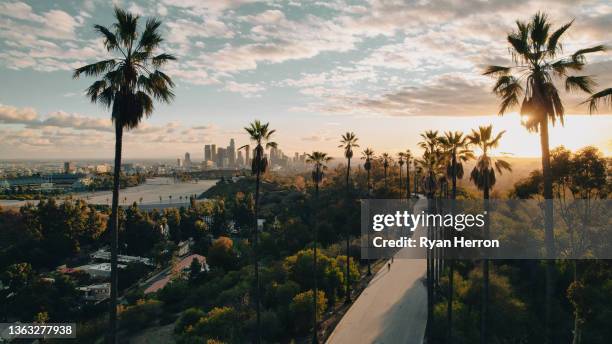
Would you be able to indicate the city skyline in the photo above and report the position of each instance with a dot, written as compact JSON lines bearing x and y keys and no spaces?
{"x":313,"y":70}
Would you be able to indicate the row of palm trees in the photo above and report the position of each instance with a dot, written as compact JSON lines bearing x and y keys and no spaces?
{"x":131,"y":79}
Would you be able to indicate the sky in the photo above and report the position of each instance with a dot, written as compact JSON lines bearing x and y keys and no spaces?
{"x":384,"y":69}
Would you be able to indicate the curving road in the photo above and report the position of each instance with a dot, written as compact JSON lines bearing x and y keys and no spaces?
{"x":392,"y":309}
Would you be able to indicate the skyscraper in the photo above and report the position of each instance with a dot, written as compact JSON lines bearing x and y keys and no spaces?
{"x":231,"y":154}
{"x":247,"y":158}
{"x":213,"y":152}
{"x":207,"y":153}
{"x":221,"y":158}
{"x":187,"y":161}
{"x":239,"y":160}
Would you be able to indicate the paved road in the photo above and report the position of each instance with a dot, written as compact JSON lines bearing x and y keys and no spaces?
{"x":392,"y":309}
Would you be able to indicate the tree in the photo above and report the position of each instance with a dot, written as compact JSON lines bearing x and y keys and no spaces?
{"x":221,"y":254}
{"x":130,"y":80}
{"x":348,"y":142}
{"x":386,"y":161}
{"x":318,"y":160}
{"x":536,"y":53}
{"x":483,"y":176}
{"x":455,"y":144}
{"x":408,"y":157}
{"x":302,"y":309}
{"x":400,"y":161}
{"x":368,"y":154}
{"x":195,"y":268}
{"x":261,"y":135}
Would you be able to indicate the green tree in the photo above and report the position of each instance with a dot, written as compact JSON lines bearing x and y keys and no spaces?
{"x":348,"y":142}
{"x":302,"y":309}
{"x":456,"y":147}
{"x":318,"y":160}
{"x":538,"y":61}
{"x":483,"y":176}
{"x":368,"y":155}
{"x":130,"y":79}
{"x":261,"y":135}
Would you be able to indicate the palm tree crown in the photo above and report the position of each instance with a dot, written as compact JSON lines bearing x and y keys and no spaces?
{"x":348,"y":142}
{"x":318,"y":159}
{"x":537,"y":61}
{"x":132,"y":78}
{"x":483,"y":174}
{"x":261,"y":135}
{"x":456,"y":146}
{"x":367,"y":155}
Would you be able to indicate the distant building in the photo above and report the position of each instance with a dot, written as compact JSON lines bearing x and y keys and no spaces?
{"x":187,"y":162}
{"x":69,"y":167}
{"x":213,"y":153}
{"x":179,"y":162}
{"x":231,"y":154}
{"x":240,"y":160}
{"x":95,"y":292}
{"x":104,"y":168}
{"x":221,"y":158}
{"x":207,"y":153}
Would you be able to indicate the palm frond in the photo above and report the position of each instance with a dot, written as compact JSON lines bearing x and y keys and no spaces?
{"x":584,"y":83}
{"x":604,"y":96}
{"x":95,"y":69}
{"x":496,"y":70}
{"x":553,"y":41}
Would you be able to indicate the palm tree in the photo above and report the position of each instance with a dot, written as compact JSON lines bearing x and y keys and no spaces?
{"x":400,"y":162}
{"x":536,"y":53}
{"x":367,"y":155}
{"x":261,"y":135}
{"x":348,"y":142}
{"x":386,"y":160}
{"x":408,"y":157}
{"x":456,"y":146}
{"x":130,"y":80}
{"x":431,"y":161}
{"x":318,"y":159}
{"x":483,"y":176}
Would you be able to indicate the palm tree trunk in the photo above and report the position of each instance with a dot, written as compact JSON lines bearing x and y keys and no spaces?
{"x":548,"y":226}
{"x":484,"y":304}
{"x":114,"y":235}
{"x":315,"y":329}
{"x":408,"y":179}
{"x":400,"y":182}
{"x":348,"y":234}
{"x":451,"y":265}
{"x":256,"y":255}
{"x":369,"y":195}
{"x":430,"y":300}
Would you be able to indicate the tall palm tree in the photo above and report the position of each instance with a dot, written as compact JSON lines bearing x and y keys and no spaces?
{"x":367,"y":155}
{"x":408,"y":157}
{"x":537,"y":61}
{"x":483,"y":176}
{"x":456,"y":146}
{"x":130,"y":79}
{"x":348,"y":142}
{"x":261,"y":135}
{"x":430,"y":162}
{"x":400,"y":162}
{"x":318,"y":160}
{"x":386,"y":160}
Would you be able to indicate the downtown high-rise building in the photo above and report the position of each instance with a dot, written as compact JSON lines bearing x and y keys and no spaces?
{"x":231,"y":154}
{"x":213,"y":152}
{"x":207,"y":153}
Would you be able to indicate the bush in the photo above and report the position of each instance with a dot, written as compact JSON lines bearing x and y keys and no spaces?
{"x":302,"y":310}
{"x":141,"y":315}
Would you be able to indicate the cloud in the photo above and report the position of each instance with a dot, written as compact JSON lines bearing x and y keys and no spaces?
{"x":246,"y":89}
